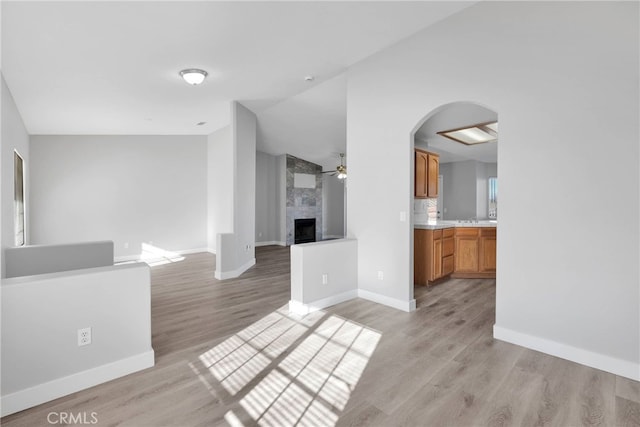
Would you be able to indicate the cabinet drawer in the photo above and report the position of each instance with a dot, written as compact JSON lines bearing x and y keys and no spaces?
{"x":448,"y":246}
{"x":466,"y":231}
{"x":447,"y":265}
{"x":488,"y":232}
{"x":437,"y":234}
{"x":448,"y":232}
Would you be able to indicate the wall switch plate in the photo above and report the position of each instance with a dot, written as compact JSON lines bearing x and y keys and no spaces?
{"x":126,"y":245}
{"x":325,"y":279}
{"x":84,"y":336}
{"x":403,"y":216}
{"x":380,"y":275}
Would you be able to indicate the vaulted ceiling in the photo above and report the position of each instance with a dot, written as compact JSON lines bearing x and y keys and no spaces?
{"x":97,"y":67}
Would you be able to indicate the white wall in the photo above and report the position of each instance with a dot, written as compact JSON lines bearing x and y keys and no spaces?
{"x":115,"y":302}
{"x":236,"y":249}
{"x":267,"y":208}
{"x":332,"y":206}
{"x":129,"y":189}
{"x":569,"y":286}
{"x":244,"y":137}
{"x":14,"y":137}
{"x":220,"y":169}
{"x":337,"y":259}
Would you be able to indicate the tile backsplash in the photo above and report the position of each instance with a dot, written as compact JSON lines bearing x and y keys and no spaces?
{"x":425,"y":210}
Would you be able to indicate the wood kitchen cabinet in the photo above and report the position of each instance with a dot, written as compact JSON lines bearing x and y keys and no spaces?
{"x":427,"y":168}
{"x":487,"y":251}
{"x":475,"y":252}
{"x":433,"y":255}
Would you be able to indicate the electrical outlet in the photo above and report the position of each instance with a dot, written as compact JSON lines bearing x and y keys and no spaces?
{"x":325,"y":279}
{"x":84,"y":336}
{"x":380,"y":275}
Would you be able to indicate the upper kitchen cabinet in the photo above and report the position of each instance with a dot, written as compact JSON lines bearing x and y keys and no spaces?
{"x":426,"y":174}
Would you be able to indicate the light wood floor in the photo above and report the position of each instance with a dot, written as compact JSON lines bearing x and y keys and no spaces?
{"x":226,"y":354}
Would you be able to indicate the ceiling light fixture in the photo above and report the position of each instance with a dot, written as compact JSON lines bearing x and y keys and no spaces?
{"x":341,"y":170}
{"x":193,"y":76}
{"x":309,"y":78}
{"x":471,"y":135}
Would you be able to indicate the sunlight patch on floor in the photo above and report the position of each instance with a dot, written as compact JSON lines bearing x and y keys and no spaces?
{"x":311,"y":385}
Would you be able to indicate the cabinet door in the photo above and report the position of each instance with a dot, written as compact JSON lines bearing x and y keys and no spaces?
{"x":420,"y":257}
{"x":447,"y":265}
{"x":487,"y":254}
{"x":466,"y":258}
{"x":436,"y":259}
{"x":433,"y":169}
{"x":421,"y":176}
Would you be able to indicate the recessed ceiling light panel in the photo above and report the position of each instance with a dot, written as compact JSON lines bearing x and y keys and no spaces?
{"x":193,"y":76}
{"x":471,"y":135}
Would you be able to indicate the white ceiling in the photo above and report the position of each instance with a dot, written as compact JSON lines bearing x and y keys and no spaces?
{"x":112,"y":67}
{"x":453,"y":116}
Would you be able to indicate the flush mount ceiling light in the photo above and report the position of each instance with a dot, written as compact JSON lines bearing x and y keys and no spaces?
{"x":471,"y":135}
{"x":341,"y":170}
{"x":193,"y":76}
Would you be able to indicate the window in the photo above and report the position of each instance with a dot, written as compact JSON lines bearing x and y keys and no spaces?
{"x":493,"y":197}
{"x":18,"y":198}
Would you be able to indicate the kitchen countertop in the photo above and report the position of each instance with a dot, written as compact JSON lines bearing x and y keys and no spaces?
{"x":440,"y":224}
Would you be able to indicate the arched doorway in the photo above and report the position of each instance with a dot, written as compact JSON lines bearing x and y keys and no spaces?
{"x":459,"y":140}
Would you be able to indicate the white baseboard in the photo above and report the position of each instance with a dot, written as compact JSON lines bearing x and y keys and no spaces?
{"x":41,"y":393}
{"x":600,"y":361}
{"x":407,"y":306}
{"x":222,"y":275}
{"x":300,"y":308}
{"x":271,"y":243}
{"x":138,"y":257}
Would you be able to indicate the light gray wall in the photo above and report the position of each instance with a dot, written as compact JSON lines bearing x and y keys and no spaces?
{"x":129,"y":189}
{"x":282,"y":198}
{"x":465,"y":189}
{"x":459,"y":189}
{"x":220,"y":170}
{"x":267,"y":209}
{"x":115,"y":302}
{"x":244,"y":137}
{"x":14,"y":137}
{"x":333,"y":206}
{"x":337,"y":259}
{"x":567,"y":64}
{"x":42,"y":259}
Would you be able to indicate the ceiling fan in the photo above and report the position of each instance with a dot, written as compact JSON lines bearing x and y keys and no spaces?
{"x":341,"y":170}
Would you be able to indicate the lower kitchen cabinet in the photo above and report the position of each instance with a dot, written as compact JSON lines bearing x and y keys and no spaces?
{"x":433,"y":255}
{"x":475,"y":253}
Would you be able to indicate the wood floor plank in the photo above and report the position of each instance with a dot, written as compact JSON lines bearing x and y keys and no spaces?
{"x":228,"y":353}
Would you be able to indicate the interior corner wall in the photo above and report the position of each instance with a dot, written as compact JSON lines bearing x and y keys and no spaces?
{"x":561,"y":288}
{"x":14,"y":138}
{"x":131,"y":189}
{"x":267,"y":227}
{"x":333,"y":206}
{"x":281,"y":196}
{"x":220,"y":170}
